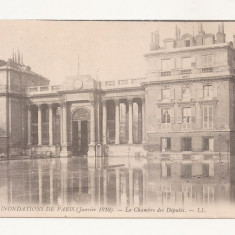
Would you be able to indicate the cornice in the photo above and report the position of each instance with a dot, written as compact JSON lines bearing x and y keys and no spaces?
{"x":123,"y":89}
{"x":188,"y":80}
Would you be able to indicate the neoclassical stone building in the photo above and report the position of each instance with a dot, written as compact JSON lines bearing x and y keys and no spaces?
{"x":183,"y":107}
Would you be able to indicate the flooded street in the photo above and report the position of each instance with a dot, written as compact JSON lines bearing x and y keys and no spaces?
{"x":117,"y":182}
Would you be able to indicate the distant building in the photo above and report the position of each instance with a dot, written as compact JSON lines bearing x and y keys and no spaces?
{"x":184,"y":105}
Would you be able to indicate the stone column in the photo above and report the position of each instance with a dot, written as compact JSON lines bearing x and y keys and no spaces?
{"x":39,"y":124}
{"x":143,"y":121}
{"x":104,"y":122}
{"x":92,"y":129}
{"x":117,"y":121}
{"x":130,"y":121}
{"x":64,"y":151}
{"x":50,"y":106}
{"x":91,"y":151}
{"x":29,"y":125}
{"x":64,"y":124}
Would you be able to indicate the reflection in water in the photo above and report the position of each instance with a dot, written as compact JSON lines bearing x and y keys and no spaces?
{"x":120,"y":182}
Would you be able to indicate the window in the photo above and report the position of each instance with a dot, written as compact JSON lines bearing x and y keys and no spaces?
{"x":166,"y":116}
{"x":187,"y":115}
{"x":208,"y":117}
{"x":207,"y":91}
{"x":166,"y":64}
{"x":208,"y":144}
{"x":186,"y":62}
{"x":186,"y":144}
{"x":207,"y":60}
{"x":186,"y":94}
{"x":187,"y":43}
{"x":166,"y":144}
{"x":166,"y":93}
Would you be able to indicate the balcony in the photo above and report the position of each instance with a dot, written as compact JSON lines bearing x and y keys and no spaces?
{"x":207,"y":70}
{"x":190,"y":73}
{"x":166,"y":126}
{"x":42,"y":90}
{"x":186,"y":125}
{"x":165,"y":73}
{"x":186,"y":71}
{"x":134,"y":82}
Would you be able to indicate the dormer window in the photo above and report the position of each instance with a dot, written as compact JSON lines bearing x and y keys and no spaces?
{"x":169,"y":43}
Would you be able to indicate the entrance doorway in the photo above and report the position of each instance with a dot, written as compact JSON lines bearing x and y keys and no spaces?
{"x":80,"y":132}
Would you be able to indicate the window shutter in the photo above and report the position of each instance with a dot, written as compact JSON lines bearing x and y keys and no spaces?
{"x":215,"y":89}
{"x":200,"y":92}
{"x":172,"y":93}
{"x":179,"y":114}
{"x":172,"y":113}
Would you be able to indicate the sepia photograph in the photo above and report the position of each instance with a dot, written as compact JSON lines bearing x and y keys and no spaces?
{"x":117,"y":119}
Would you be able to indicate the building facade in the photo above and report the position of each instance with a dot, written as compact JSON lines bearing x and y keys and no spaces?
{"x":185,"y":105}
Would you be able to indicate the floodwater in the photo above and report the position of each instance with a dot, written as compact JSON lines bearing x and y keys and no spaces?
{"x":118,"y":182}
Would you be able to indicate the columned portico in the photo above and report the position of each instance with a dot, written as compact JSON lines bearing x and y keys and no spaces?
{"x":123,"y":115}
{"x":123,"y":123}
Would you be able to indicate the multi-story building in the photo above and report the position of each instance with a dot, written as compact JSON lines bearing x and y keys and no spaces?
{"x":184,"y":105}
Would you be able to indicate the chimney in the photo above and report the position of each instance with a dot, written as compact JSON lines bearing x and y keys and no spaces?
{"x":220,"y":36}
{"x":157,"y":38}
{"x":18,"y":57}
{"x":176,"y":33}
{"x":201,"y":32}
{"x":154,"y":44}
{"x":22,"y":62}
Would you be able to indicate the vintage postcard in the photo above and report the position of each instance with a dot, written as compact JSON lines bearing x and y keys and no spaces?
{"x":129,"y":119}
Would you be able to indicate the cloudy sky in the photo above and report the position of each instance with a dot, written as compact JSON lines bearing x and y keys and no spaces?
{"x":108,"y":50}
